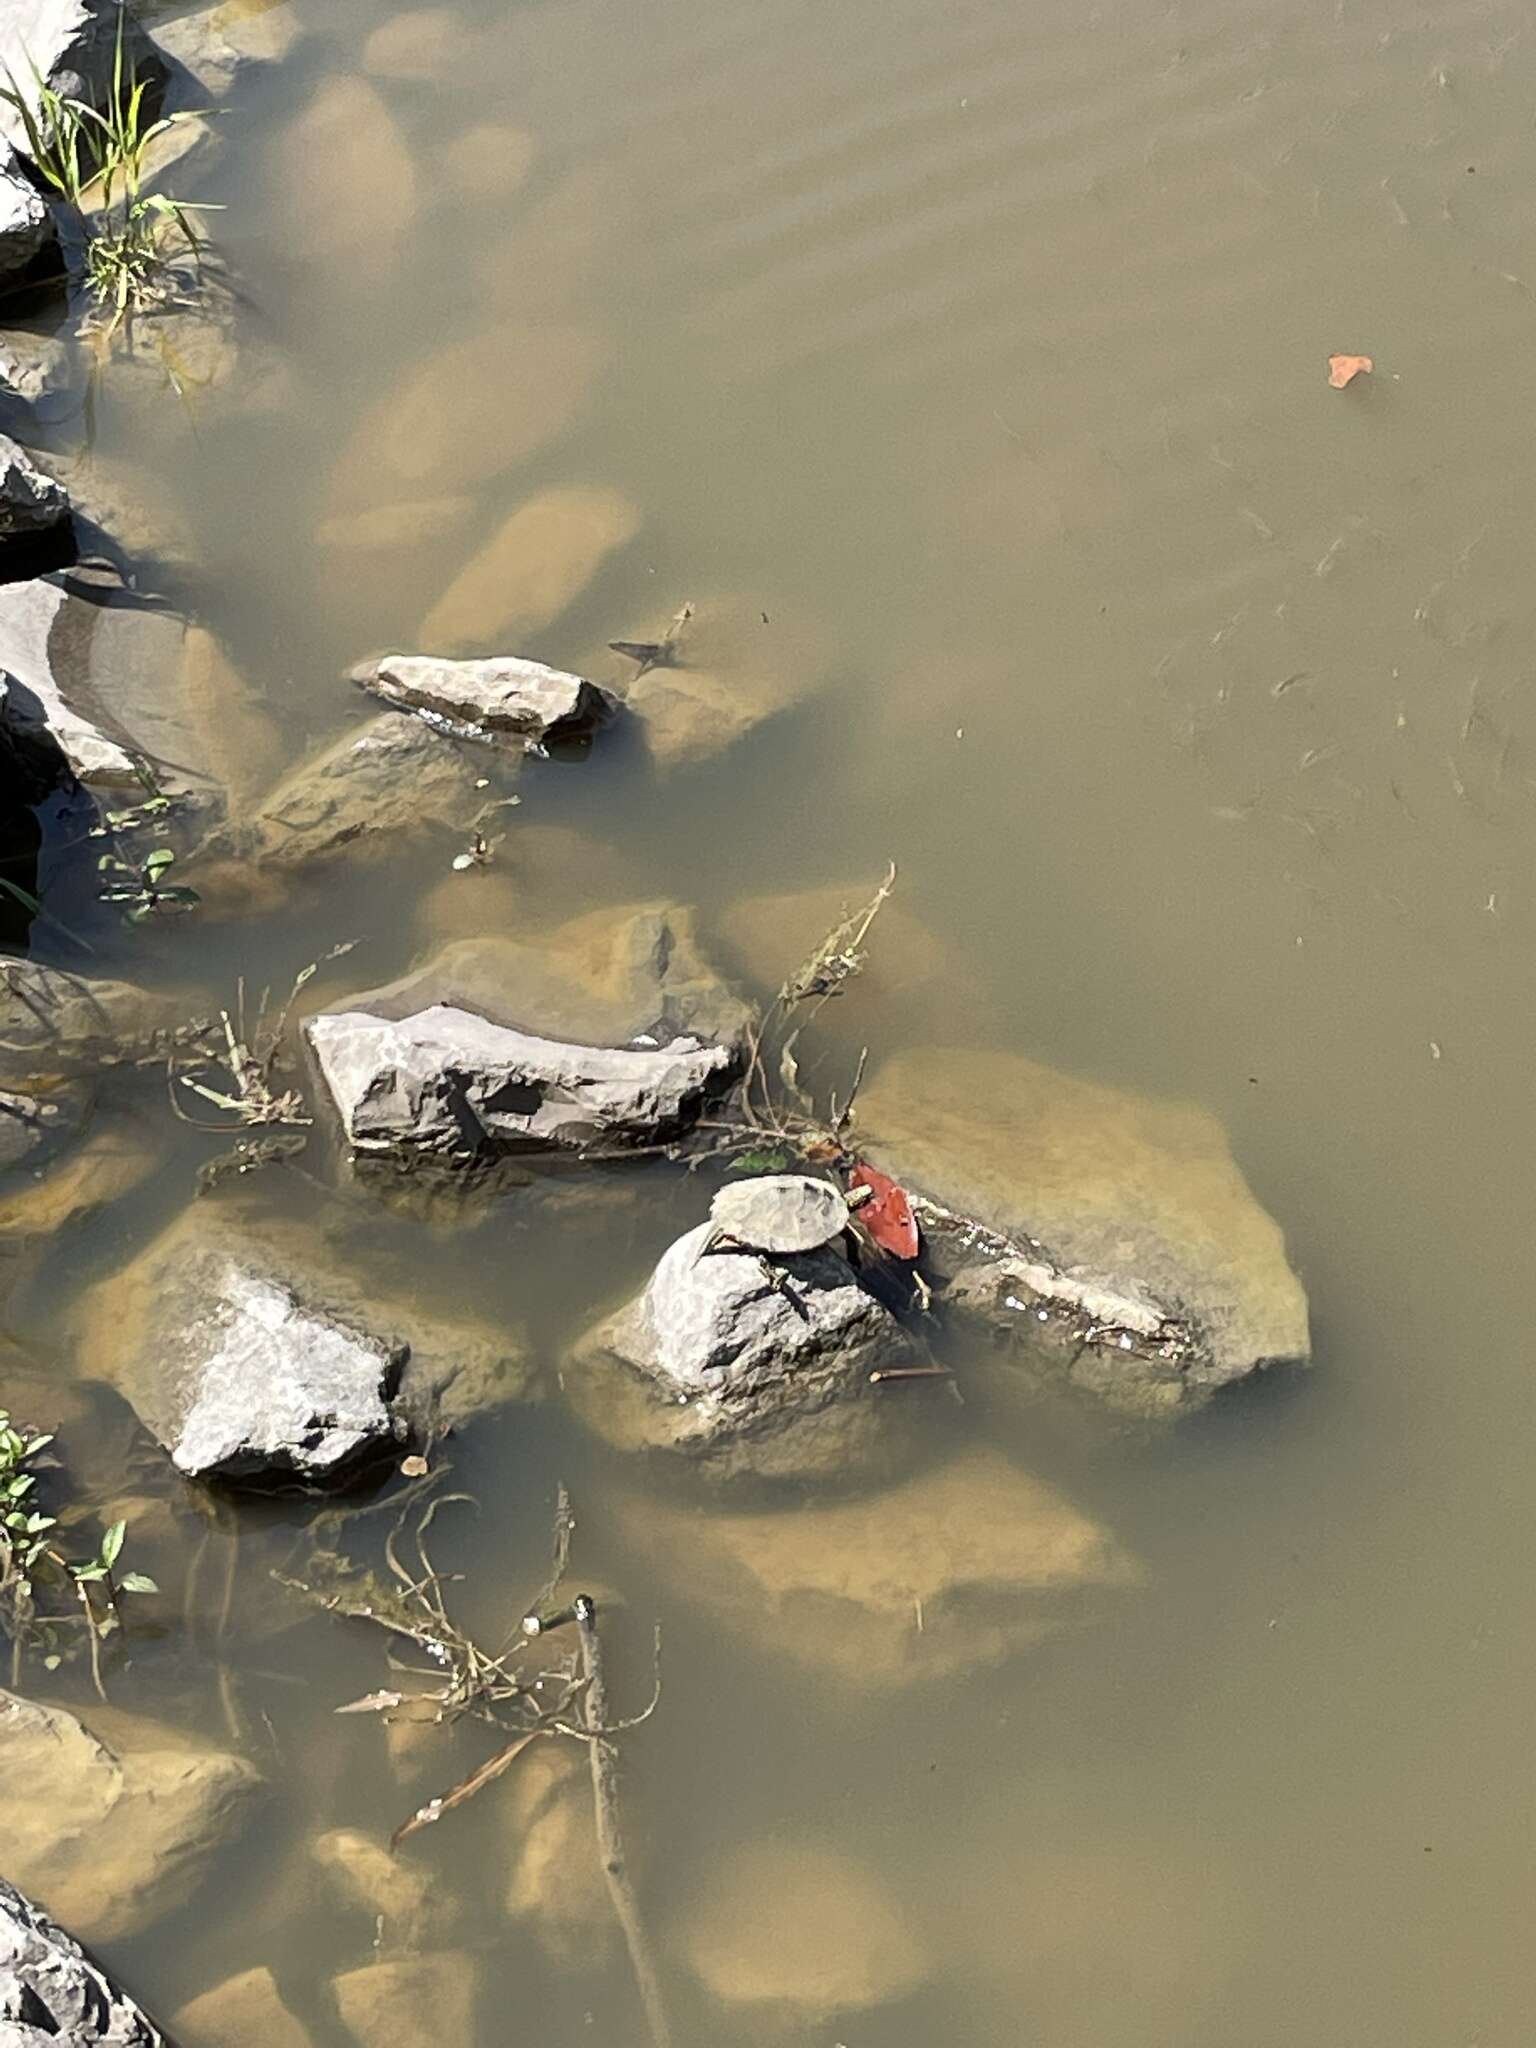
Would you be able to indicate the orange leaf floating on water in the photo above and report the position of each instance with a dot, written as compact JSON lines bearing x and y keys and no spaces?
{"x":887,"y":1215}
{"x":1344,"y":370}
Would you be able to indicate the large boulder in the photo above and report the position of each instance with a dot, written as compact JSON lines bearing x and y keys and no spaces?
{"x":758,"y":1369}
{"x":502,"y":698}
{"x":215,"y":45}
{"x":951,"y":1571}
{"x":794,"y":1933}
{"x":448,"y":1087}
{"x":257,"y":1355}
{"x":28,"y":237}
{"x":533,"y":568}
{"x":72,"y":47}
{"x":52,"y":1995}
{"x":1113,"y":1236}
{"x":128,"y":692}
{"x":112,"y":1824}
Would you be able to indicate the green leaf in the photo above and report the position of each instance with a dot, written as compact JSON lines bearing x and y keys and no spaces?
{"x":137,"y":1582}
{"x":158,"y":861}
{"x":112,"y":1544}
{"x":85,"y":1574}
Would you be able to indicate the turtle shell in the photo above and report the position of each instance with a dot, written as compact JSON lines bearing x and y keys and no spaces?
{"x":780,"y":1212}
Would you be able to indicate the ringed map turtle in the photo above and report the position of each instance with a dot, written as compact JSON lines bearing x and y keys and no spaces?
{"x":778,"y":1214}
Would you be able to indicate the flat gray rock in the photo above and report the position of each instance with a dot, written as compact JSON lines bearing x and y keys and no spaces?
{"x":72,"y":46}
{"x":30,"y":502}
{"x":760,"y":1367}
{"x":502,"y":698}
{"x":449,"y":1086}
{"x":27,"y":231}
{"x":52,"y":1995}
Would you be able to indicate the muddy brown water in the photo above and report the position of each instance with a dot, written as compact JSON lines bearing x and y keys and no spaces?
{"x":1193,"y":700}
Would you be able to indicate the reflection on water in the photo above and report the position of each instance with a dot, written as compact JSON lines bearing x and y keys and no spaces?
{"x":987,"y":346}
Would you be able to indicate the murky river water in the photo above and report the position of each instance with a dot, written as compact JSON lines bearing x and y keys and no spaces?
{"x":1193,"y":700}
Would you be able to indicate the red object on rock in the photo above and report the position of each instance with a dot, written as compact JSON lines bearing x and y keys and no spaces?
{"x":887,"y":1215}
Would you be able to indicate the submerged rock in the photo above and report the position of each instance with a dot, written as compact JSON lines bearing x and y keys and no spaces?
{"x":362,"y":795}
{"x":36,"y":367}
{"x":31,"y":1124}
{"x":72,"y":47}
{"x":112,"y":1825}
{"x":52,"y":1995}
{"x":28,"y":238}
{"x":388,"y":529}
{"x":953,"y":1570}
{"x":415,"y":2002}
{"x":503,"y":697}
{"x":531,"y":569}
{"x":469,"y":413}
{"x":555,"y":1882}
{"x":713,"y":671}
{"x":488,"y":161}
{"x":448,"y":1087}
{"x":127,"y":692}
{"x":256,"y":1355}
{"x":421,"y":46}
{"x":30,"y":502}
{"x":407,"y":1909}
{"x":795,"y":1932}
{"x":761,"y":1368}
{"x":1115,"y":1237}
{"x":344,"y":183}
{"x":245,"y":2011}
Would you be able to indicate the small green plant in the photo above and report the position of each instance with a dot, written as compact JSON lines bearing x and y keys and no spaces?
{"x":128,"y":238}
{"x":35,"y":1575}
{"x":143,"y":888}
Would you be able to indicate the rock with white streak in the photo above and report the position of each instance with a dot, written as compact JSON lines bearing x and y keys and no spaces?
{"x":500,"y":698}
{"x":53,"y":1995}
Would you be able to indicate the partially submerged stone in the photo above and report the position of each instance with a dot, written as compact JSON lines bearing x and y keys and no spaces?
{"x":469,"y":413}
{"x":951,"y":1571}
{"x":500,"y":698}
{"x":447,"y":1087}
{"x":36,"y":368}
{"x":531,"y":569}
{"x":555,"y":1881}
{"x":407,"y":1909}
{"x":133,"y":1813}
{"x":260,"y":1357}
{"x":130,"y":694}
{"x":28,"y":237}
{"x":53,"y":1022}
{"x":1113,"y":1235}
{"x":797,"y":1932}
{"x":406,"y":523}
{"x":707,"y":674}
{"x":136,"y":513}
{"x":773,"y":936}
{"x":31,"y":1125}
{"x":245,"y":2011}
{"x":53,"y":1995}
{"x":363,"y":795}
{"x":415,"y":2002}
{"x":53,"y":1196}
{"x":756,"y":1368}
{"x":217,"y":45}
{"x":71,"y":46}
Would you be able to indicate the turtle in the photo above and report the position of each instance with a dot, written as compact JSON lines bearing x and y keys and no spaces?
{"x":778,"y":1214}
